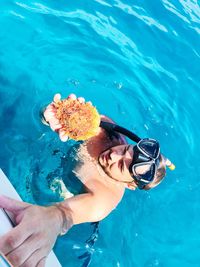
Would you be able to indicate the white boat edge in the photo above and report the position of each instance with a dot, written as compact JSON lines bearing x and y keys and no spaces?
{"x":7,"y":189}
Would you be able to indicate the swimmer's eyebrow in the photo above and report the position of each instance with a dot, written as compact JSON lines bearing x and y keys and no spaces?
{"x":126,"y":149}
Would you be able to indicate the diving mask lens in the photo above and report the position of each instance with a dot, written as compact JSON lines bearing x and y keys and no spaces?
{"x":145,"y":161}
{"x":144,"y":171}
{"x":150,"y":147}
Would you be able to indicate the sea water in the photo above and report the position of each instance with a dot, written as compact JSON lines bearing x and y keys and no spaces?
{"x":139,"y":63}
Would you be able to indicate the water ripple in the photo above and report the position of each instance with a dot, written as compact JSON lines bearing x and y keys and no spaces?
{"x":192,"y":8}
{"x":103,"y":3}
{"x":146,"y":19}
{"x":169,"y":6}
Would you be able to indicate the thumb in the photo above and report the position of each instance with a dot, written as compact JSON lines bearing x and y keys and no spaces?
{"x":12,"y":205}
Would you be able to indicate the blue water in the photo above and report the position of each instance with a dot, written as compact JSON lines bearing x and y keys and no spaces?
{"x":139,"y":63}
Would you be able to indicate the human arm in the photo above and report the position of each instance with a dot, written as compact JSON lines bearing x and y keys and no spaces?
{"x":36,"y":230}
{"x":92,"y":206}
{"x":34,"y":235}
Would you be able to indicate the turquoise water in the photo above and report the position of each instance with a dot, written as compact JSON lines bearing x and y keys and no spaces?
{"x":139,"y":63}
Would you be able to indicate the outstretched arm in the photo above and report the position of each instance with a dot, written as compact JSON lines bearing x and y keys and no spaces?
{"x":93,"y":206}
{"x":36,"y":230}
{"x":34,"y":235}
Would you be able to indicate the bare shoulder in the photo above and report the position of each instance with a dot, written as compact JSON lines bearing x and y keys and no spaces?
{"x":107,"y":198}
{"x":108,"y":195}
{"x":94,"y":205}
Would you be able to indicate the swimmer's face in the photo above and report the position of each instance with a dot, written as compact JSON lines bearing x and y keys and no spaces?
{"x":116,"y":161}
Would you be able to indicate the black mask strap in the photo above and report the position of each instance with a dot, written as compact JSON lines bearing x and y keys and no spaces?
{"x":114,"y":127}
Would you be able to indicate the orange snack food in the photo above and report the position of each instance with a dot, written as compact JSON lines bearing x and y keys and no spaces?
{"x":80,"y":121}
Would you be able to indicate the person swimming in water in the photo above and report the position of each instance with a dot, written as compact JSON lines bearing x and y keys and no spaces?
{"x":108,"y":166}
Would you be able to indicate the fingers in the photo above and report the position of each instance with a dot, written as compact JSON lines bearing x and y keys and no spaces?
{"x":20,"y":254}
{"x":37,"y":259}
{"x":81,"y":99}
{"x":42,"y":263}
{"x":55,"y":124}
{"x":63,"y":136}
{"x":57,"y":98}
{"x":73,"y":97}
{"x":49,"y":112}
{"x":50,"y":117}
{"x":14,"y":238}
{"x":12,"y":205}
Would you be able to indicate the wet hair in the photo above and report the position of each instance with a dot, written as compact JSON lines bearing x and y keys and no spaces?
{"x":160,"y":174}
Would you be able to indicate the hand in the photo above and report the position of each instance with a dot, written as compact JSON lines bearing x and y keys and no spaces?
{"x":30,"y":241}
{"x":50,"y":115}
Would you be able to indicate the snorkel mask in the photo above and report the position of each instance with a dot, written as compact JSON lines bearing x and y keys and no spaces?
{"x":146,"y":153}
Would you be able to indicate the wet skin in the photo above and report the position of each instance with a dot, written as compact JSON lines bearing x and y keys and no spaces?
{"x":116,"y":162}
